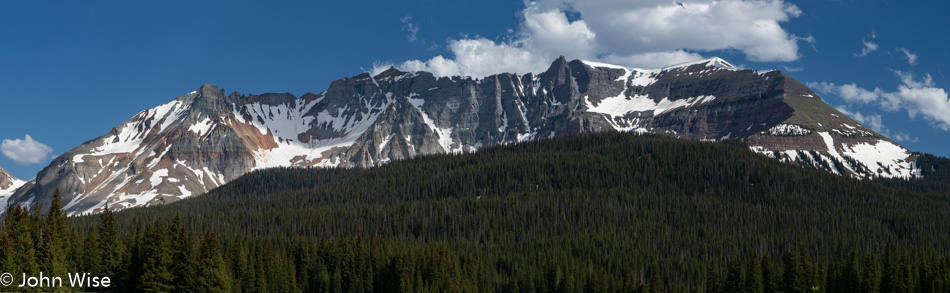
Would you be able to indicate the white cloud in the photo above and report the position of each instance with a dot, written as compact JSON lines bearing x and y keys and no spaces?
{"x":653,"y":59}
{"x":911,"y":57}
{"x":868,"y":48}
{"x":25,"y":151}
{"x":793,"y":69}
{"x":411,"y":28}
{"x":875,"y":122}
{"x":917,"y":97}
{"x":901,"y":136}
{"x":848,"y":92}
{"x":632,"y":33}
{"x":635,"y":27}
{"x":872,"y":120}
{"x":480,"y":57}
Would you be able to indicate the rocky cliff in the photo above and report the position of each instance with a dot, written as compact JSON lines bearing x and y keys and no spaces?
{"x":206,"y":138}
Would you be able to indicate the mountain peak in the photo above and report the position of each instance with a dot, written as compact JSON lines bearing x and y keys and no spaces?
{"x":6,"y":179}
{"x":8,"y":185}
{"x":391,"y":72}
{"x":208,"y":89}
{"x":714,"y":62}
{"x":708,"y":62}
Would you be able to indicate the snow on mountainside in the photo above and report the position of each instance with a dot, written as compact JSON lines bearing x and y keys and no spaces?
{"x":8,"y":185}
{"x":206,"y":138}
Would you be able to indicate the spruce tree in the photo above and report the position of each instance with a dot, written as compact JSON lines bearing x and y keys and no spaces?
{"x":850,"y":279}
{"x":157,"y":260}
{"x":20,"y":227}
{"x":213,"y":275}
{"x":713,"y":278}
{"x":184,"y":266}
{"x":54,"y":248}
{"x":754,"y":280}
{"x":794,"y":277}
{"x":91,"y":257}
{"x":733,"y":277}
{"x":870,"y":275}
{"x":110,"y":246}
{"x":771,"y":275}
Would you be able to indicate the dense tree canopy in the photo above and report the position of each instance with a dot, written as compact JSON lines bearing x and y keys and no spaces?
{"x":605,"y":212}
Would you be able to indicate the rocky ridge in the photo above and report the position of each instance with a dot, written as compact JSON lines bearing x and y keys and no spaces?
{"x":206,"y":138}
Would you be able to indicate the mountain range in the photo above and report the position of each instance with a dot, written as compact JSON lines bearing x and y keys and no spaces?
{"x":207,"y":137}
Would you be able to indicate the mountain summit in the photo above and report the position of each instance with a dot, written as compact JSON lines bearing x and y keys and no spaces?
{"x":205,"y":138}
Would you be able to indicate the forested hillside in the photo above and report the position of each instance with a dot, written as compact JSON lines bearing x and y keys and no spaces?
{"x":607,"y":212}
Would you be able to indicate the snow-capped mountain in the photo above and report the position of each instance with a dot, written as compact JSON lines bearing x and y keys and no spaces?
{"x":8,"y":184}
{"x":206,"y":138}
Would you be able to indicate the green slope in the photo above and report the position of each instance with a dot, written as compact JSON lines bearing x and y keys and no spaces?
{"x":617,"y":204}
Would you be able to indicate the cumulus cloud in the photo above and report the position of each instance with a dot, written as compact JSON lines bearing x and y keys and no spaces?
{"x":919,"y":97}
{"x":480,"y":57}
{"x":647,"y":34}
{"x":911,"y":57}
{"x":874,"y":121}
{"x":25,"y":151}
{"x":849,"y":92}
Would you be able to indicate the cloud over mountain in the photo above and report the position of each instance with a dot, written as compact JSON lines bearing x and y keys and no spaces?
{"x":636,"y":34}
{"x":25,"y":151}
{"x":917,"y":97}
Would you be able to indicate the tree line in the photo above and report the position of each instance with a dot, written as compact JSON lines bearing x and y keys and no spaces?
{"x":606,"y":212}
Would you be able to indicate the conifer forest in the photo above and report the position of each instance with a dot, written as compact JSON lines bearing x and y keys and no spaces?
{"x":605,"y":212}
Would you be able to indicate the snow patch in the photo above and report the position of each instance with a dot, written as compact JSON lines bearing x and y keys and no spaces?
{"x":621,"y":105}
{"x":445,"y":134}
{"x":884,"y":159}
{"x":202,"y":127}
{"x":787,"y":130}
{"x":157,"y":177}
{"x":6,"y":193}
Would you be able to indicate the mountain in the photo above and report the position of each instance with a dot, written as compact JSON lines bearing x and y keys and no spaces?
{"x":8,"y":184}
{"x":206,"y":138}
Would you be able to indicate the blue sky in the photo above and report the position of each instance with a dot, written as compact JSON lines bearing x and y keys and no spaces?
{"x":72,"y":70}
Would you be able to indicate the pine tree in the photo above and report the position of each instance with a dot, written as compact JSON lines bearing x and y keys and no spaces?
{"x":20,"y":227}
{"x":771,"y":275}
{"x":110,"y":246}
{"x":239,"y":265}
{"x":713,"y":278}
{"x":91,"y":258}
{"x":157,"y":260}
{"x":212,"y":271}
{"x":891,"y":276}
{"x":850,"y":279}
{"x":184,"y":267}
{"x":54,"y":248}
{"x":871,"y":275}
{"x":794,"y":278}
{"x":754,"y":280}
{"x":8,"y":253}
{"x":733,"y":277}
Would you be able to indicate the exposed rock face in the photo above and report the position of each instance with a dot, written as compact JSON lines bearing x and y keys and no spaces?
{"x":206,"y":138}
{"x":8,"y":184}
